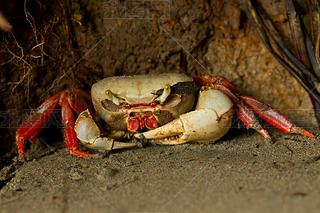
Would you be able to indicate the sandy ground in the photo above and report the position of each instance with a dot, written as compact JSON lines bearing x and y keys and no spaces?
{"x":240,"y":173}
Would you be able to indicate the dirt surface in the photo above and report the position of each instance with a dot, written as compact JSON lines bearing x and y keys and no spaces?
{"x":240,"y":173}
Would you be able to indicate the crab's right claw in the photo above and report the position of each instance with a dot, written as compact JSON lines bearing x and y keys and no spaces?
{"x":89,"y":134}
{"x":209,"y":122}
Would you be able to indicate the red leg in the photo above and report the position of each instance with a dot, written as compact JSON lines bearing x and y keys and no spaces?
{"x":209,"y":80}
{"x":68,"y":120}
{"x":31,"y":127}
{"x":274,"y":117}
{"x":79,"y":100}
{"x":242,"y":111}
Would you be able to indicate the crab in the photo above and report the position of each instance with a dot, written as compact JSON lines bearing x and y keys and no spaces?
{"x":164,"y":108}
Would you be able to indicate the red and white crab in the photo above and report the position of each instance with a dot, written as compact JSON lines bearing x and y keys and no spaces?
{"x":166,"y":108}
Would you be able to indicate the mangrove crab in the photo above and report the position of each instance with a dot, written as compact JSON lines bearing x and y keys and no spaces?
{"x":164,"y":108}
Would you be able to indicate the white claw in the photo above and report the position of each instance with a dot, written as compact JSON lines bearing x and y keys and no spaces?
{"x":171,"y":129}
{"x":89,"y":134}
{"x":210,"y":121}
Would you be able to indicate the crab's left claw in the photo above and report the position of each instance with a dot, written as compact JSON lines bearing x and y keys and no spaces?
{"x":210,"y":121}
{"x":89,"y":134}
{"x":245,"y":107}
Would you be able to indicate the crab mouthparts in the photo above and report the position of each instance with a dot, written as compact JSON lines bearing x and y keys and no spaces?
{"x":141,"y":122}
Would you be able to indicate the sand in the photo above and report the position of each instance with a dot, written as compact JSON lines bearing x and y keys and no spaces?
{"x":240,"y":173}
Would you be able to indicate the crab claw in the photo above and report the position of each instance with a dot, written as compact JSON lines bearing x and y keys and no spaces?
{"x":89,"y":134}
{"x":210,"y":121}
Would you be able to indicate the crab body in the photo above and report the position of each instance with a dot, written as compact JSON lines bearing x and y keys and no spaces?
{"x":166,"y":109}
{"x":139,"y":106}
{"x":137,"y":110}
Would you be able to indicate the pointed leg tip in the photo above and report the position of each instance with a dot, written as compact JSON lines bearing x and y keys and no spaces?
{"x":80,"y":153}
{"x":22,"y":158}
{"x":301,"y":131}
{"x":308,"y":134}
{"x":264,"y":133}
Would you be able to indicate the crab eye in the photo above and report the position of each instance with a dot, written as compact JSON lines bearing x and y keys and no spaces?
{"x":111,"y":97}
{"x":166,"y":92}
{"x":108,"y":94}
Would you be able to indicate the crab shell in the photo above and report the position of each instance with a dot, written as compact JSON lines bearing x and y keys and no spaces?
{"x":139,"y":92}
